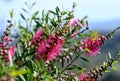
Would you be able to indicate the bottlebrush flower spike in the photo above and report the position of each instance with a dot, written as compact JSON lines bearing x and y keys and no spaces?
{"x":6,"y":39}
{"x":75,"y":22}
{"x":38,"y":37}
{"x":91,"y":45}
{"x":11,"y":51}
{"x":50,"y":48}
{"x":85,"y":77}
{"x":98,"y":71}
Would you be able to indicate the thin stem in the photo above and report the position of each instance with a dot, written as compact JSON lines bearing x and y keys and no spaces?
{"x":77,"y":33}
{"x":115,"y":30}
{"x":98,"y":71}
{"x":71,"y":62}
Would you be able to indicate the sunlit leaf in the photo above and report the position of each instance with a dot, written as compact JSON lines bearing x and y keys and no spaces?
{"x":16,"y":73}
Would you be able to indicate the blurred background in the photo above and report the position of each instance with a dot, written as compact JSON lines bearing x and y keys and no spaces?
{"x":103,"y":15}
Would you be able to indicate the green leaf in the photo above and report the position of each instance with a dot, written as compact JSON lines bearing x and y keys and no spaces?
{"x":11,"y":13}
{"x":25,"y":10}
{"x":35,"y":14}
{"x":23,"y":17}
{"x":85,"y":17}
{"x":73,"y":30}
{"x":46,"y":19}
{"x":16,"y":73}
{"x":53,"y":23}
{"x":33,"y":4}
{"x":57,"y":10}
{"x":43,"y":15}
{"x":63,"y":12}
{"x":68,"y":35}
{"x":74,"y":5}
{"x":107,"y":70}
{"x":115,"y":62}
{"x":84,"y":59}
{"x":75,"y":41}
{"x":67,"y":18}
{"x":62,"y":63}
{"x":52,"y":12}
{"x":38,"y":24}
{"x":115,"y":68}
{"x":74,"y":67}
{"x":83,"y":34}
{"x":87,"y":23}
{"x":94,"y":34}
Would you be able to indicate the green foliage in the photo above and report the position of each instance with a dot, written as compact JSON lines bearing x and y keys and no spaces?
{"x":55,"y":24}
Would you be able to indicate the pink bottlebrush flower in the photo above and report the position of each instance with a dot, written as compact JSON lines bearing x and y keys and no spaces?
{"x":41,"y":51}
{"x":85,"y":77}
{"x":2,"y":45}
{"x":12,"y":50}
{"x":49,"y":49}
{"x":7,"y":58}
{"x":75,"y":22}
{"x":55,"y":49}
{"x":38,"y":37}
{"x":92,"y":46}
{"x":6,"y":39}
{"x":4,"y":51}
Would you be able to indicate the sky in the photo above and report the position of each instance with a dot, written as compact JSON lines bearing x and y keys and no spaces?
{"x":103,"y":14}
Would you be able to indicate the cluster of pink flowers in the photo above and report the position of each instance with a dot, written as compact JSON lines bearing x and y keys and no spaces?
{"x":75,"y":22}
{"x":85,"y":77}
{"x":91,"y":46}
{"x":11,"y":51}
{"x":5,"y":51}
{"x":47,"y":49}
{"x":38,"y":37}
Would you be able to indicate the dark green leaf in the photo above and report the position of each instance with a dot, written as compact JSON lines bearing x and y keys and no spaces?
{"x":43,"y":15}
{"x":53,"y":23}
{"x":85,"y":17}
{"x":73,"y":30}
{"x":74,"y":5}
{"x":25,"y":10}
{"x":57,"y":10}
{"x":35,"y":14}
{"x":22,"y":16}
{"x":68,"y":35}
{"x":38,"y":24}
{"x":74,"y":67}
{"x":84,"y":59}
{"x":67,"y":18}
{"x":46,"y":19}
{"x":52,"y":12}
{"x":62,"y":63}
{"x":87,"y":23}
